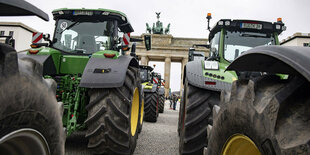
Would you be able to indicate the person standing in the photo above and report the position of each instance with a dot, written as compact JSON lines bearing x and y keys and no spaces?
{"x":171,"y":101}
{"x":175,"y":99}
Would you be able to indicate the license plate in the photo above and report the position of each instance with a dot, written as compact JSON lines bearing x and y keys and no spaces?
{"x":251,"y":26}
{"x":83,"y":12}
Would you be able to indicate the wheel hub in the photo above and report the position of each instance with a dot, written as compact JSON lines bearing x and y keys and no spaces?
{"x":142,"y":112}
{"x":24,"y":141}
{"x":240,"y":144}
{"x":134,"y":112}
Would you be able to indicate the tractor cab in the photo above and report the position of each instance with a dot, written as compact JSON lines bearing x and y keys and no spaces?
{"x":85,"y":31}
{"x":89,"y":31}
{"x":230,"y":38}
{"x":146,"y":73}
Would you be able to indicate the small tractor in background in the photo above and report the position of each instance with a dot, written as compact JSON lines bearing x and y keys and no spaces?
{"x":157,"y":80}
{"x":30,"y":118}
{"x":151,"y":101}
{"x":98,"y":86}
{"x":205,"y":79}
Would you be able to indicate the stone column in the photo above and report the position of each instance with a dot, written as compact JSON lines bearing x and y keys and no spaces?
{"x":183,"y":63}
{"x":144,"y":60}
{"x":167,"y":75}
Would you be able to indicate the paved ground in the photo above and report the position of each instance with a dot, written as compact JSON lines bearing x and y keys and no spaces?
{"x":158,"y":138}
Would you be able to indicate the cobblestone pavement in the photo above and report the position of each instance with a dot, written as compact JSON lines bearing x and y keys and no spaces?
{"x":158,"y":138}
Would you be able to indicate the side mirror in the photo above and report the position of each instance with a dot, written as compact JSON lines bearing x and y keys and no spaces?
{"x":147,"y":41}
{"x":202,"y":45}
{"x":47,"y":37}
{"x":133,"y":50}
{"x":12,"y":42}
{"x":190,"y":54}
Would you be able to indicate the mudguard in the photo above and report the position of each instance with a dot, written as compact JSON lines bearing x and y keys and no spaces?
{"x":20,"y":8}
{"x":45,"y":60}
{"x":154,"y":87}
{"x":275,"y":59}
{"x":161,"y":91}
{"x":106,"y":73}
{"x":194,"y":74}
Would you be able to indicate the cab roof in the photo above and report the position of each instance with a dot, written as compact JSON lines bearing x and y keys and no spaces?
{"x":73,"y":13}
{"x":237,"y":25}
{"x":146,"y":67}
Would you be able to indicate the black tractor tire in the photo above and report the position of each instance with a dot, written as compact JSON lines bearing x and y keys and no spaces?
{"x":196,"y":115}
{"x":181,"y":114}
{"x":113,"y":113}
{"x":161,"y":104}
{"x":30,"y":119}
{"x":151,"y":106}
{"x":272,"y":113}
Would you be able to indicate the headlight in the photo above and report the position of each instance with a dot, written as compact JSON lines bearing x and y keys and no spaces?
{"x":227,"y":23}
{"x":278,"y":27}
{"x":106,"y":13}
{"x":211,"y":65}
{"x":220,"y":23}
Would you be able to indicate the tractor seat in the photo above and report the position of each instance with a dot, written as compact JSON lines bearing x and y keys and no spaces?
{"x":88,"y":43}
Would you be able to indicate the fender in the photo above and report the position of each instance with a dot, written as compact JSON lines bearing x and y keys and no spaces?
{"x":275,"y":59}
{"x":194,"y":74}
{"x":161,"y":91}
{"x":45,"y":60}
{"x":106,"y":73}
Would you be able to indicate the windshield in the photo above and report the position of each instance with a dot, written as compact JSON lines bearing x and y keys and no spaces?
{"x":235,"y":43}
{"x":144,"y":75}
{"x":84,"y":37}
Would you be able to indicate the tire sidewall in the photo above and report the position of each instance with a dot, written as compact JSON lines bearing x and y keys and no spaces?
{"x":28,"y":103}
{"x":238,"y":118}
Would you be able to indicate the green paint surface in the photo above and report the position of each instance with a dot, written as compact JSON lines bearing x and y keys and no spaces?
{"x":73,"y":64}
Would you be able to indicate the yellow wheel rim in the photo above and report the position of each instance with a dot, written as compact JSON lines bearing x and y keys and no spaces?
{"x":134,"y":112}
{"x":142,"y":112}
{"x":239,"y":144}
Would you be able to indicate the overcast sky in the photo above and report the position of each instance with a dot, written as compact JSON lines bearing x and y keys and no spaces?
{"x":187,"y":17}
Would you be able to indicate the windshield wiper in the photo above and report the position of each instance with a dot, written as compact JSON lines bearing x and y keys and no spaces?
{"x":69,"y":26}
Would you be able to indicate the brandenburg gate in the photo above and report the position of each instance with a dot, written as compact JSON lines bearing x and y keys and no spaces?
{"x":167,"y":48}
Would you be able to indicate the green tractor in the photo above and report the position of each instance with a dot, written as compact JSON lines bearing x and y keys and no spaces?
{"x":97,"y":84}
{"x":204,"y":79}
{"x":268,"y":114}
{"x":151,"y":94}
{"x":30,"y":118}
